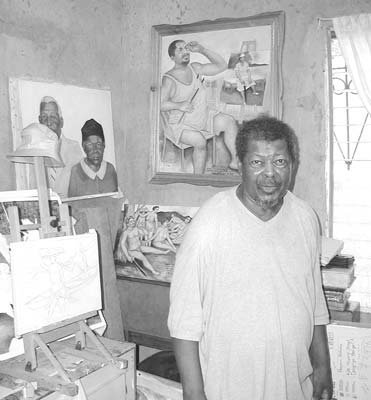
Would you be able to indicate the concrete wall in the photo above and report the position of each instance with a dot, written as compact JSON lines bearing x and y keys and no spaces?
{"x":107,"y":44}
{"x":71,"y":42}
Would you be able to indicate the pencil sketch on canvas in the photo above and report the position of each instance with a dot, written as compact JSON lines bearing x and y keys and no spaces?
{"x":54,"y":279}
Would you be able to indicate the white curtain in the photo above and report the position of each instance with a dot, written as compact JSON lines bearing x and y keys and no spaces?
{"x":354,"y":35}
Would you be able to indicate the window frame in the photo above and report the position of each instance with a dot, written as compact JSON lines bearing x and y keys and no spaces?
{"x":330,"y":129}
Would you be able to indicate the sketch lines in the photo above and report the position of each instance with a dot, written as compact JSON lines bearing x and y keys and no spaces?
{"x":55,"y":279}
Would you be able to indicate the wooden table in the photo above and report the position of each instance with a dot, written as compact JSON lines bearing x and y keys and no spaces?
{"x":95,"y":377}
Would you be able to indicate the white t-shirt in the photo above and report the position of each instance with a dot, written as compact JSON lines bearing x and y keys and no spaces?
{"x":250,"y":292}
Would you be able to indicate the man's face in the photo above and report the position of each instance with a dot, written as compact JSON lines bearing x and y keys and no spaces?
{"x":181,"y":54}
{"x":94,"y":149}
{"x":266,"y":172}
{"x":50,"y":117}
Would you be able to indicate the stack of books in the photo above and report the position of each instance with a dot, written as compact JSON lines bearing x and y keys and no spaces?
{"x":337,"y":277}
{"x":329,"y":249}
{"x":337,"y":299}
{"x":341,"y":261}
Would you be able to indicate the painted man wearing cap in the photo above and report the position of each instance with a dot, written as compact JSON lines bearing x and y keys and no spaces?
{"x":92,"y":175}
{"x":70,"y":150}
{"x":183,"y":99}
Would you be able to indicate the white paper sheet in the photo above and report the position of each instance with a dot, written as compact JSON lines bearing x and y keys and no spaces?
{"x":350,"y":351}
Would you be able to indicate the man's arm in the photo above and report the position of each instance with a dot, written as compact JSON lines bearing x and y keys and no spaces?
{"x":188,"y":362}
{"x":124,"y":248}
{"x":217,"y":63}
{"x":320,"y":359}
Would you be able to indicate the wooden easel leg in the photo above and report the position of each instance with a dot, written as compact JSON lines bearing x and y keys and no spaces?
{"x":120,"y":364}
{"x":80,"y":339}
{"x":84,"y":328}
{"x":30,"y":352}
{"x":56,"y":364}
{"x":31,"y":342}
{"x":65,"y":219}
{"x":43,"y":197}
{"x":15,"y":228}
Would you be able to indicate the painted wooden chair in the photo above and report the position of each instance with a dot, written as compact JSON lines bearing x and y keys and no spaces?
{"x":166,"y":129}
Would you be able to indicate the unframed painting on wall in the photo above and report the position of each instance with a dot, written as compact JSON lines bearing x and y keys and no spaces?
{"x":77,"y":105}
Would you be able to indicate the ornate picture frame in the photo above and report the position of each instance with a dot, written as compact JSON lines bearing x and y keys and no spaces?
{"x":247,"y":83}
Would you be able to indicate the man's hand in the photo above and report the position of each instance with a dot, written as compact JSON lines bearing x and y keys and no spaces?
{"x":194,"y":47}
{"x":320,"y":359}
{"x":200,"y":396}
{"x":186,"y":106}
{"x":188,"y":362}
{"x":322,"y":384}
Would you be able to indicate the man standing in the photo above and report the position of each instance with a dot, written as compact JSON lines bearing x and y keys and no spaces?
{"x":70,"y":150}
{"x":183,"y":97}
{"x":247,"y":310}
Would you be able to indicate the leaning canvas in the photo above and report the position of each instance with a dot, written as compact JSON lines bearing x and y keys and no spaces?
{"x":54,"y":279}
{"x":148,"y":240}
{"x":76,"y":106}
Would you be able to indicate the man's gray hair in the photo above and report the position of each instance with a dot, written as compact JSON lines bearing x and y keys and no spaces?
{"x":50,"y":99}
{"x":268,"y":129}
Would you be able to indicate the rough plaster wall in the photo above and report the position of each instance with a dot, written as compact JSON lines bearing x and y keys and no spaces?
{"x":107,"y":44}
{"x":72,"y":42}
{"x":304,"y":84}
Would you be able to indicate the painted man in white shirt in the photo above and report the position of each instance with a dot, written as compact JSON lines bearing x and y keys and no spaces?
{"x":70,"y":150}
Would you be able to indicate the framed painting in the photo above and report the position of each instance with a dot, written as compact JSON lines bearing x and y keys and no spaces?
{"x":208,"y":78}
{"x":74,"y":106}
{"x":148,"y":240}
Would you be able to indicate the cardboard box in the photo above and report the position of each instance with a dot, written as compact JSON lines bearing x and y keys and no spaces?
{"x":350,"y":352}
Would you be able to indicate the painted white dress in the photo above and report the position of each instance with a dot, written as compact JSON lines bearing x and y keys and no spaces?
{"x":244,"y":79}
{"x":199,"y":118}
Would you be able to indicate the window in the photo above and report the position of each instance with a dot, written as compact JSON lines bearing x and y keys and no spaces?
{"x":349,"y":154}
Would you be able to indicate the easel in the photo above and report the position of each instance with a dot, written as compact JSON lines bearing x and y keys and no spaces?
{"x":49,"y":227}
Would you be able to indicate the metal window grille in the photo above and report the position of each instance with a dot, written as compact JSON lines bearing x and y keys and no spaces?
{"x":349,"y":155}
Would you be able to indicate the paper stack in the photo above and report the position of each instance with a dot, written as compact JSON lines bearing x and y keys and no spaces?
{"x":337,"y":277}
{"x":329,"y":249}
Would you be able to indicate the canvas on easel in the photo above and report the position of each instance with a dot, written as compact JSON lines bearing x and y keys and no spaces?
{"x":54,"y":279}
